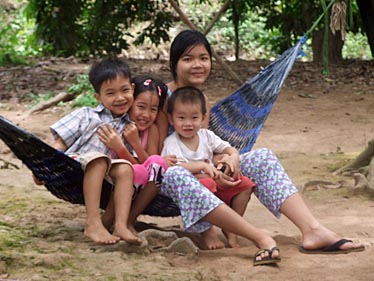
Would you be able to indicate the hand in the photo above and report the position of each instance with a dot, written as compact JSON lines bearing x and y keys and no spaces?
{"x":110,"y":137}
{"x":226,"y":181}
{"x":131,"y":134}
{"x":210,"y":170}
{"x":171,"y":160}
{"x":229,"y":164}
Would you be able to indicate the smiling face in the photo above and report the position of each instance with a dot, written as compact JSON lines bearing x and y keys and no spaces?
{"x":116,"y":95}
{"x":193,"y":67}
{"x":144,"y":110}
{"x":186,"y":119}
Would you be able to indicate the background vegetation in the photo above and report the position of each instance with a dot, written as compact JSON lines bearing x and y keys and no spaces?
{"x":85,"y":28}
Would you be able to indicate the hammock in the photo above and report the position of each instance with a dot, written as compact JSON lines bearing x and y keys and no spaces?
{"x":238,"y":119}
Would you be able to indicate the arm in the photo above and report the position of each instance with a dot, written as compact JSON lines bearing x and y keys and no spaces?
{"x":162,"y":124}
{"x":200,"y":168}
{"x":207,"y":116}
{"x":59,"y":144}
{"x":152,"y":145}
{"x":110,"y":137}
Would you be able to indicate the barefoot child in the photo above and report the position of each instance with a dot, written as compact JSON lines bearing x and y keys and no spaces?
{"x":142,"y":134}
{"x":195,"y":146}
{"x":79,"y":135}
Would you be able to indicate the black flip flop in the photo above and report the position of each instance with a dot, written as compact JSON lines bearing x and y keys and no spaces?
{"x":266,"y":260}
{"x":333,"y":249}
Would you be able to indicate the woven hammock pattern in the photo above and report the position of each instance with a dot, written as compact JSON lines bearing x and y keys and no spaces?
{"x":62,"y":175}
{"x":238,"y":119}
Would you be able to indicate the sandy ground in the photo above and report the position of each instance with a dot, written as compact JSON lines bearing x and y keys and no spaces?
{"x":317,"y":125}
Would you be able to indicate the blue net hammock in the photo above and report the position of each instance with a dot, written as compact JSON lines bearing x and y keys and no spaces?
{"x":237,"y":118}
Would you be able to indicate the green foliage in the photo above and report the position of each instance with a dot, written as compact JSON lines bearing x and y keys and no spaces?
{"x":16,"y":37}
{"x":356,"y":46}
{"x":84,"y":91}
{"x":34,"y":99}
{"x":97,"y":27}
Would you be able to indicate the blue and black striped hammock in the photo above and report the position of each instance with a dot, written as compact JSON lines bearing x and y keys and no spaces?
{"x":237,"y":118}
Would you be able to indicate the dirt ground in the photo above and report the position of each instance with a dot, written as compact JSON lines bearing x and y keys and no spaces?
{"x":318,"y":123}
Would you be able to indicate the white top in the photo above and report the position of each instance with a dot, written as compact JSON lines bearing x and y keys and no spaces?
{"x":209,"y":143}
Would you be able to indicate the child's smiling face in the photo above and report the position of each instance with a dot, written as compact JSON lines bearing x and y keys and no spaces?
{"x":116,"y":95}
{"x":144,"y":110}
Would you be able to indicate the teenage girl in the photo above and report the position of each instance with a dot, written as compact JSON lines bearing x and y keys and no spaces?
{"x":190,"y":64}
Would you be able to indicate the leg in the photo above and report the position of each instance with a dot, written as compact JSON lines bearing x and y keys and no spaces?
{"x":210,"y":237}
{"x":225,"y":218}
{"x":142,"y":200}
{"x":108,"y":216}
{"x":200,"y":208}
{"x":92,"y":184}
{"x":277,"y":192}
{"x":238,"y":204}
{"x":315,"y":235}
{"x":155,"y":167}
{"x":123,"y":192}
{"x":237,"y":197}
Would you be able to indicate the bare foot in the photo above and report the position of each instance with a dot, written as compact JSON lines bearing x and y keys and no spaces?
{"x":99,"y":234}
{"x":232,"y":240}
{"x":211,"y":240}
{"x":321,"y":237}
{"x":269,"y":246}
{"x":126,"y":234}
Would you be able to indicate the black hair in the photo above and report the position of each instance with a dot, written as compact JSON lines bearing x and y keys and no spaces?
{"x":182,"y":43}
{"x":147,"y":83}
{"x":108,"y":69}
{"x":187,"y":94}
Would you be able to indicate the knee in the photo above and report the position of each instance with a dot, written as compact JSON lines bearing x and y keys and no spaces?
{"x":98,"y":164}
{"x":121,"y":170}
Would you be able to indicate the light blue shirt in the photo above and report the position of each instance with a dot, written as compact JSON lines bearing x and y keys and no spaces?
{"x":78,"y":130}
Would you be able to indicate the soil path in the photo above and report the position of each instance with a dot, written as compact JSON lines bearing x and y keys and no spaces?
{"x":317,"y":124}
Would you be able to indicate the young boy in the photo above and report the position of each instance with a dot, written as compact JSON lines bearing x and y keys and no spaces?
{"x":194,"y":147}
{"x":85,"y":134}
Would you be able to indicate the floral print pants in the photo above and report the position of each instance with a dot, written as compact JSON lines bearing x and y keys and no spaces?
{"x":273,"y":187}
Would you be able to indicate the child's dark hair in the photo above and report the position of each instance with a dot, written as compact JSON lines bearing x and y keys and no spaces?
{"x":187,"y":94}
{"x":147,"y":83}
{"x":106,"y":70}
{"x":184,"y":41}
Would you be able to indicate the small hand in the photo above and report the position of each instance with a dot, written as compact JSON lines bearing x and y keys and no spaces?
{"x":110,"y":137}
{"x":171,"y":160}
{"x":131,"y":133}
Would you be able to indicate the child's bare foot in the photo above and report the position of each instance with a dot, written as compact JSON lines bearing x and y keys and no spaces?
{"x":211,"y":240}
{"x":126,"y":234}
{"x":232,"y":240}
{"x":99,"y":234}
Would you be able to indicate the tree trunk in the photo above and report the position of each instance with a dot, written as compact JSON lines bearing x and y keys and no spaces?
{"x":367,"y":14}
{"x":335,"y":47}
{"x":363,"y":159}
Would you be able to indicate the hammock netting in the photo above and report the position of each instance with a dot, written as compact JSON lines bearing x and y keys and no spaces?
{"x":237,"y":118}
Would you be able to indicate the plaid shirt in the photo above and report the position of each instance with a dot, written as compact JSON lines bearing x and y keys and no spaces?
{"x":78,"y":130}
